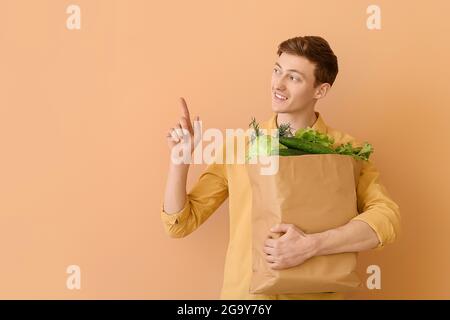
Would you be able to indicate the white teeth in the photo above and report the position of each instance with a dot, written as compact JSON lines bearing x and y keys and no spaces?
{"x":280,"y":97}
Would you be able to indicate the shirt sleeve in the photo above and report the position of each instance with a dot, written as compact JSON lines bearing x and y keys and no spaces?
{"x":376,"y":207}
{"x":210,"y":191}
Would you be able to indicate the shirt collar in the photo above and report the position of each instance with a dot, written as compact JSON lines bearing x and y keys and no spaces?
{"x":319,"y":124}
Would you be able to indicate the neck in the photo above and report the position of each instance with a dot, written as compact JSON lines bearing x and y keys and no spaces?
{"x":298,"y":120}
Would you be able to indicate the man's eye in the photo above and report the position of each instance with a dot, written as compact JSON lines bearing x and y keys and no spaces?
{"x":275,"y":70}
{"x":293,"y":78}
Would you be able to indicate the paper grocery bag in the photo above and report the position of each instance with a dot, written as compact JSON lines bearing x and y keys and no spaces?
{"x":315,"y":192}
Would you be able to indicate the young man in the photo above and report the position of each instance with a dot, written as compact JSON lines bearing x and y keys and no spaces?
{"x":304,"y":72}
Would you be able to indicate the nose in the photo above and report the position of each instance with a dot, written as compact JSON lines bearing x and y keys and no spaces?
{"x":278,"y":84}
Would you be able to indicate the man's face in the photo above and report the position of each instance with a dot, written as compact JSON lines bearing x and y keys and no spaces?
{"x":297,"y":87}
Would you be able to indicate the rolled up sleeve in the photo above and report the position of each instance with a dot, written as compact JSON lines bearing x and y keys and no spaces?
{"x":376,"y":207}
{"x":210,"y":191}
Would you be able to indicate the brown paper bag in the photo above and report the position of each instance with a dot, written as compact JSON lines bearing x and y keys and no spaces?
{"x":315,"y":192}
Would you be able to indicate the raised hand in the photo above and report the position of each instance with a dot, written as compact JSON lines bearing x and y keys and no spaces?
{"x":184,"y":131}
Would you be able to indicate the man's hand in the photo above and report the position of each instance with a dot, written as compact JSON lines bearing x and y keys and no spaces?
{"x":291,"y":249}
{"x":295,"y":247}
{"x":185,"y":130}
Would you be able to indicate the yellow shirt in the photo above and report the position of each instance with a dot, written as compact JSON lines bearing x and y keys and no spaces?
{"x":220,"y":181}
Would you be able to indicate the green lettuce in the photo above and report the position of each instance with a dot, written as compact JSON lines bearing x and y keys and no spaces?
{"x":269,"y":145}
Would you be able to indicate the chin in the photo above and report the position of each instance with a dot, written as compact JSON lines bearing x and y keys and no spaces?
{"x":279,"y":108}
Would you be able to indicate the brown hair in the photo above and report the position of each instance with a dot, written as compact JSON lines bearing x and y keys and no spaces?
{"x":318,"y":51}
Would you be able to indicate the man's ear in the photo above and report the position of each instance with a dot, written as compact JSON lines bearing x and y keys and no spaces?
{"x":322,"y":90}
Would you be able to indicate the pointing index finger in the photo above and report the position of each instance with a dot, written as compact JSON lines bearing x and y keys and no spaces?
{"x":185,"y":109}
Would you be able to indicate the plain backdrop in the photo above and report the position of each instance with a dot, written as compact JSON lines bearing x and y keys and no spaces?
{"x":84,"y":114}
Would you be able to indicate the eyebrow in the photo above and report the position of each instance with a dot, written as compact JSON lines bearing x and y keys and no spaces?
{"x":293,"y":70}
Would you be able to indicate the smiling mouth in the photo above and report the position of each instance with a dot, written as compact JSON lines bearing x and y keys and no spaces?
{"x":279,"y":98}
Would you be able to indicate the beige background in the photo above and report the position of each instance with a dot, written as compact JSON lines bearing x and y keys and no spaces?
{"x":83,"y":115}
